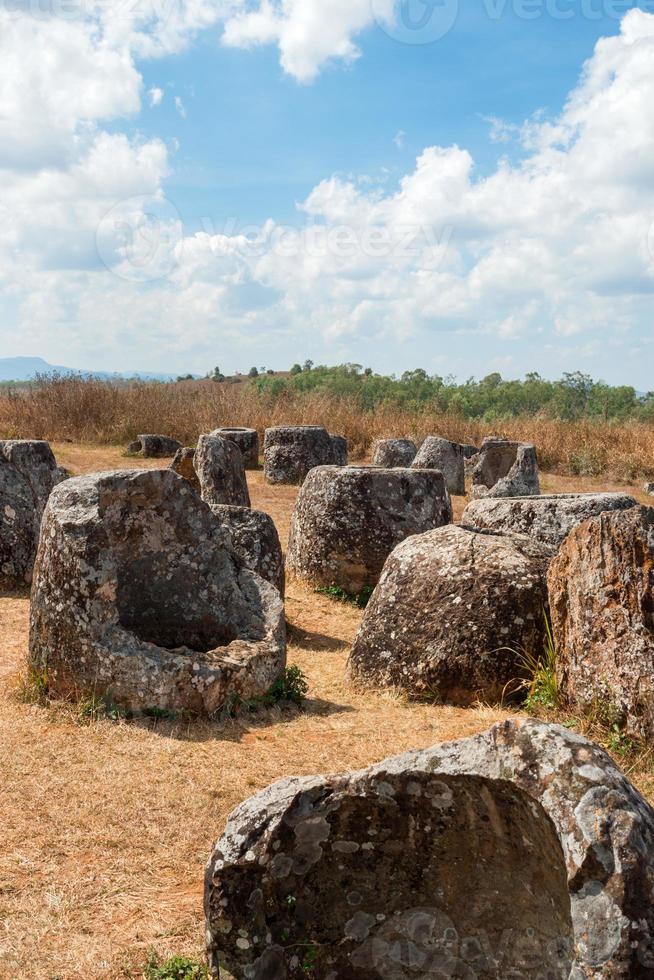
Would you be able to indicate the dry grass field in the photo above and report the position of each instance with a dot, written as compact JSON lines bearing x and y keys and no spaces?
{"x":86,"y":410}
{"x":106,"y":825}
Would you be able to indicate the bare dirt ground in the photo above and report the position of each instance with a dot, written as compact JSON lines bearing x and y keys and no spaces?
{"x":105,"y":826}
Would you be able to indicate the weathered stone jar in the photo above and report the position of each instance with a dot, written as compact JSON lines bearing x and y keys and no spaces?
{"x":138,"y":596}
{"x":247,"y":441}
{"x":601,"y":587}
{"x":154,"y":447}
{"x":219,"y":465}
{"x":255,"y":538}
{"x":441,"y":454}
{"x":28,"y":472}
{"x":347,"y":520}
{"x":451,"y":614}
{"x":390,"y":453}
{"x":548,"y":518}
{"x":505,"y":469}
{"x":523,"y":852}
{"x":290,"y":451}
{"x":184,"y":465}
{"x":341,"y":450}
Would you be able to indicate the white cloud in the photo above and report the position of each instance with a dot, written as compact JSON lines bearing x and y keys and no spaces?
{"x":553,"y":247}
{"x":45,"y":100}
{"x":310,"y":33}
{"x":557,"y":243}
{"x":63,"y":73}
{"x":501,"y":131}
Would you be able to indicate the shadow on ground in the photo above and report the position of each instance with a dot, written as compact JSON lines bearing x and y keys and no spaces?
{"x":310,"y":640}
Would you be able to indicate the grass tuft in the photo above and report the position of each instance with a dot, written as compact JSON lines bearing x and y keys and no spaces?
{"x":538,"y":669}
{"x":174,"y":968}
{"x":32,"y":686}
{"x":358,"y":599}
{"x":92,"y":708}
{"x":540,"y":680}
{"x":290,"y":688}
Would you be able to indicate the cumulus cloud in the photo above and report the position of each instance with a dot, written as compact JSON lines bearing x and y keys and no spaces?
{"x":558,"y":245}
{"x":309,"y":33}
{"x":63,"y":76}
{"x":46,"y":101}
{"x":67,"y":70}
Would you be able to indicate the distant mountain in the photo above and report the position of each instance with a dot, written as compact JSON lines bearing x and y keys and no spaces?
{"x":26,"y":368}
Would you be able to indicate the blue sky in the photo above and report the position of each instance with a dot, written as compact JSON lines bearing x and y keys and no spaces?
{"x":515,"y":155}
{"x":255,"y":141}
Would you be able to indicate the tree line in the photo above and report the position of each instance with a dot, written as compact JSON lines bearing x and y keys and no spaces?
{"x":573,"y":397}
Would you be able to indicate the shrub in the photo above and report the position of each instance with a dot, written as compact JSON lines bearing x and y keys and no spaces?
{"x":175,"y":968}
{"x":539,"y":679}
{"x":291,"y":687}
{"x":359,"y":599}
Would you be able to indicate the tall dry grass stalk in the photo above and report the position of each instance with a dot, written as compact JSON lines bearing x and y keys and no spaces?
{"x":86,"y":410}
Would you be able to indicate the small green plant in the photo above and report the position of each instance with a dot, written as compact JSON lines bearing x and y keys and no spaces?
{"x":233,"y":704}
{"x":430,"y":695}
{"x":32,"y":686}
{"x":292,"y":686}
{"x":542,"y":686}
{"x":359,"y":599}
{"x":619,"y":742}
{"x":175,"y":968}
{"x":539,"y":670}
{"x":160,"y":714}
{"x":310,"y":960}
{"x":603,"y":709}
{"x":95,"y":707}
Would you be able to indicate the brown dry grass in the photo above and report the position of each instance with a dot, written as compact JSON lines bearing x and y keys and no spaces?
{"x":106,"y":826}
{"x":95,"y":412}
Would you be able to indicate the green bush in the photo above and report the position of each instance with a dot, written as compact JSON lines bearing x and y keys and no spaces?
{"x":359,"y":599}
{"x":175,"y":968}
{"x":538,"y":668}
{"x":292,"y":686}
